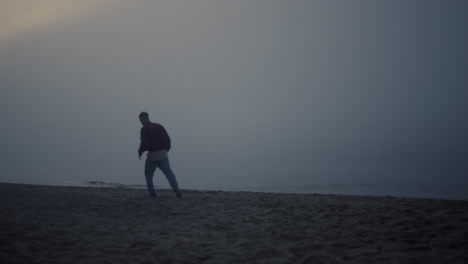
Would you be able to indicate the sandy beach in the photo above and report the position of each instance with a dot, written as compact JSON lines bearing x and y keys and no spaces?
{"x":49,"y":224}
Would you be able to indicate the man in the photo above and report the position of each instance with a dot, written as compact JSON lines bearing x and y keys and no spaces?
{"x":157,"y":142}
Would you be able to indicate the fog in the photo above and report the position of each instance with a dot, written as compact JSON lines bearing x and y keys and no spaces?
{"x":252,"y":93}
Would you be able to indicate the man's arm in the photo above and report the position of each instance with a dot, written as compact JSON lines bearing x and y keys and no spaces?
{"x":143,"y":142}
{"x":168,"y":140}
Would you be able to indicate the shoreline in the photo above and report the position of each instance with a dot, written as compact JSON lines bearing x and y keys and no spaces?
{"x":408,"y":191}
{"x":74,"y":224}
{"x":367,"y":190}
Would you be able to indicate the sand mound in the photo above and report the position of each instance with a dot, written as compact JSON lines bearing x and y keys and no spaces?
{"x":44,"y":224}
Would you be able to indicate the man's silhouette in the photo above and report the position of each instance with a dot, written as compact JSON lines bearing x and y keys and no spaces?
{"x":156,"y":141}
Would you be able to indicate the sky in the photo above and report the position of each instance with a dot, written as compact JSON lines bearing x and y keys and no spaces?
{"x":252,"y":92}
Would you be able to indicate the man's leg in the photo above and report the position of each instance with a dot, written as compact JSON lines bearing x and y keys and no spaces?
{"x":165,"y":167}
{"x":150,"y":167}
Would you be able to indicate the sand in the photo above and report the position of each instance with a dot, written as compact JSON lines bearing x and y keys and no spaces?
{"x":46,"y":224}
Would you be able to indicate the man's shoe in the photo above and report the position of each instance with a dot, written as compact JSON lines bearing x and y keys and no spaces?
{"x":152,"y":195}
{"x":178,"y":195}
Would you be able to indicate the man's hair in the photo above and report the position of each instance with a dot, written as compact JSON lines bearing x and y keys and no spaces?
{"x":143,"y":115}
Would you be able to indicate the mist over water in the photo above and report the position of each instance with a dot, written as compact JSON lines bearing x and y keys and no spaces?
{"x":254,"y":94}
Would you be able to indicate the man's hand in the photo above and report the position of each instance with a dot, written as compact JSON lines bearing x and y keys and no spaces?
{"x":139,"y":155}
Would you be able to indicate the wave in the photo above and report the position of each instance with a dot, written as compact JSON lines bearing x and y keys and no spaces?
{"x":431,"y":191}
{"x":114,"y":185}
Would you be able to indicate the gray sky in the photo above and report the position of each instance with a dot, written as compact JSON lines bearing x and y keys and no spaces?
{"x":252,"y":92}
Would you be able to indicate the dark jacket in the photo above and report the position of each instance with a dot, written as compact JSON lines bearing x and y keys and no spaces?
{"x":153,"y":138}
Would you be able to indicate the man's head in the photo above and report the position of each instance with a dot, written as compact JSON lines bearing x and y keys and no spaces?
{"x":144,"y":118}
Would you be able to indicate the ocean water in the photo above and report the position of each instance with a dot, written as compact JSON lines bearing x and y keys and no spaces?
{"x":446,"y":191}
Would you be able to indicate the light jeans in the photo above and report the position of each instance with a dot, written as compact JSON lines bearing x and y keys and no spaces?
{"x":164,"y":165}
